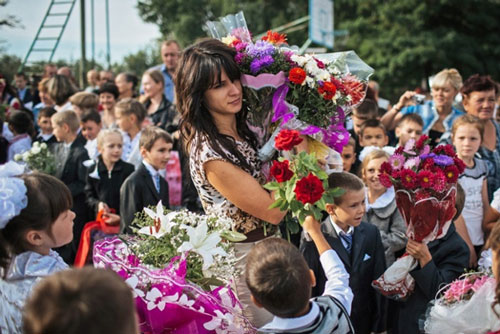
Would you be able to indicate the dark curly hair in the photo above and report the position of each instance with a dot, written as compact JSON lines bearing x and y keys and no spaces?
{"x":478,"y":83}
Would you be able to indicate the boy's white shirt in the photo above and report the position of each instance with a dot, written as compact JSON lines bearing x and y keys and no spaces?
{"x":337,"y":286}
{"x":91,"y":147}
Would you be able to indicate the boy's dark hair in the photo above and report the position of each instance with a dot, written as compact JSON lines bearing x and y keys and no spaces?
{"x":278,"y":277}
{"x":21,"y":74}
{"x":368,"y":109}
{"x":81,"y":301}
{"x":91,"y":115}
{"x":346,"y":181}
{"x":130,"y":106}
{"x":46,"y":112}
{"x":371,"y":123}
{"x":21,"y":122}
{"x":412,"y":117}
{"x":459,"y":201}
{"x":110,"y":88}
{"x":151,"y":134}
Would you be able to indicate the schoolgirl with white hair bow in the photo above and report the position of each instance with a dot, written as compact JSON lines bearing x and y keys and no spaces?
{"x":35,"y":217}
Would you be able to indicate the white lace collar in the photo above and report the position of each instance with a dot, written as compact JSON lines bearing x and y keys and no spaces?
{"x":381,"y":202}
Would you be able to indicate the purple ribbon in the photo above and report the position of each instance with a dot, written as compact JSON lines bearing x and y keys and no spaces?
{"x":279,"y":105}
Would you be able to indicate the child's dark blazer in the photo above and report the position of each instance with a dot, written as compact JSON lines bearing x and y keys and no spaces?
{"x":365,"y":264}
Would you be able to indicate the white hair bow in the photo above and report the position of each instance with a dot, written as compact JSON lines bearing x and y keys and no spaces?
{"x":368,"y":149}
{"x":12,"y":192}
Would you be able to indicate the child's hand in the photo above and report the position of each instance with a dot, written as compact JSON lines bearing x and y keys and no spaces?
{"x":311,"y":225}
{"x":419,"y":251}
{"x":103,"y":206}
{"x":111,"y":219}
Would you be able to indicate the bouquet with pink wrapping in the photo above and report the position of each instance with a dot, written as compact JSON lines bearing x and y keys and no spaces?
{"x":180,"y":267}
{"x":425,"y":184}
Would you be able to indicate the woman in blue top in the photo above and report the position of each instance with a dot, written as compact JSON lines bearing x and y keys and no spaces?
{"x":438,"y":114}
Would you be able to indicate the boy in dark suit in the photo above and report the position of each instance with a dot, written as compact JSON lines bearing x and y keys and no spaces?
{"x":45,"y":135}
{"x":359,"y":246}
{"x":146,"y":186}
{"x":70,"y":154}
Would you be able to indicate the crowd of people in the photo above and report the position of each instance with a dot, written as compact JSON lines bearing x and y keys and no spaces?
{"x":181,"y":137}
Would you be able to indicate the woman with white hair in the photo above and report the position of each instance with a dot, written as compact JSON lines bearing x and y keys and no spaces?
{"x":438,"y":114}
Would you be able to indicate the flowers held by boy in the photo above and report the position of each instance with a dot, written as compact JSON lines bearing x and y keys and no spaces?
{"x":180,"y":266}
{"x":300,"y":185}
{"x":425,"y":184}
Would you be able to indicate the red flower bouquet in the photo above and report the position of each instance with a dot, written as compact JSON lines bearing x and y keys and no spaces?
{"x":301,"y":185}
{"x":425,"y":184}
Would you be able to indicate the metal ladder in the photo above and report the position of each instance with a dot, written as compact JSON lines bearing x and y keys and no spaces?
{"x":51,"y":30}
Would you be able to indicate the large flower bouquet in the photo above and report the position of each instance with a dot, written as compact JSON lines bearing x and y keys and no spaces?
{"x":466,"y":306}
{"x":38,"y":158}
{"x":307,"y":93}
{"x":300,"y":185}
{"x":425,"y":185}
{"x":180,"y":266}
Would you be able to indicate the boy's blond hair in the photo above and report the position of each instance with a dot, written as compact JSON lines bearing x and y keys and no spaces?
{"x":130,"y":106}
{"x":68,"y":117}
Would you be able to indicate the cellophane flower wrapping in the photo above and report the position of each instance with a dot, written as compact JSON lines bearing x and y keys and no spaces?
{"x":285,"y":90}
{"x":180,"y":266}
{"x":165,"y":301}
{"x":465,"y":306}
{"x":425,"y":184}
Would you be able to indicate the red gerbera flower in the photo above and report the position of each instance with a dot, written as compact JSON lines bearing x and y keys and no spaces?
{"x":275,"y":38}
{"x":297,"y":75}
{"x":408,"y":178}
{"x":426,"y":179}
{"x":451,"y":173}
{"x":328,"y":90}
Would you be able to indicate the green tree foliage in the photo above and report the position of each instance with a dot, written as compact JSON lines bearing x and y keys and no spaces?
{"x":407,"y":41}
{"x":183,"y":19}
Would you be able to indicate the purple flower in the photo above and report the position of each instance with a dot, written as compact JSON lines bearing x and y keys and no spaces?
{"x":240,"y":46}
{"x":425,"y":156}
{"x":443,"y":160}
{"x":260,"y":49}
{"x":258,"y":63}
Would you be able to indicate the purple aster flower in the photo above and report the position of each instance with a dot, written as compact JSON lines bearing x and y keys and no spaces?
{"x":425,"y":156}
{"x":443,"y":160}
{"x":260,"y":49}
{"x":397,"y":161}
{"x":258,"y":63}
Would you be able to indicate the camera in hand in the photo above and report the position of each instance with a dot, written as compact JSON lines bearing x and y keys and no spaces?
{"x":419,"y":98}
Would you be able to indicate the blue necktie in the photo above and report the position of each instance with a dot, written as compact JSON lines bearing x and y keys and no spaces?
{"x":157,"y":182}
{"x":347,"y":238}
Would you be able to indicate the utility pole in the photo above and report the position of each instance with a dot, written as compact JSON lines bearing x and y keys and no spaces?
{"x":108,"y":48}
{"x":83,"y":62}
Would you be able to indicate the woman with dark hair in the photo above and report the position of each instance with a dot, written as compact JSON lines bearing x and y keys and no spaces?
{"x":108,"y":96}
{"x":60,"y":89}
{"x":160,"y":110}
{"x":21,"y":126}
{"x":223,"y":155}
{"x":127,"y":84}
{"x":479,"y":94}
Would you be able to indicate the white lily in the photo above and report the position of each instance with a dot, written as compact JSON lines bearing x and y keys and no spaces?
{"x":163,"y":222}
{"x":202,"y":243}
